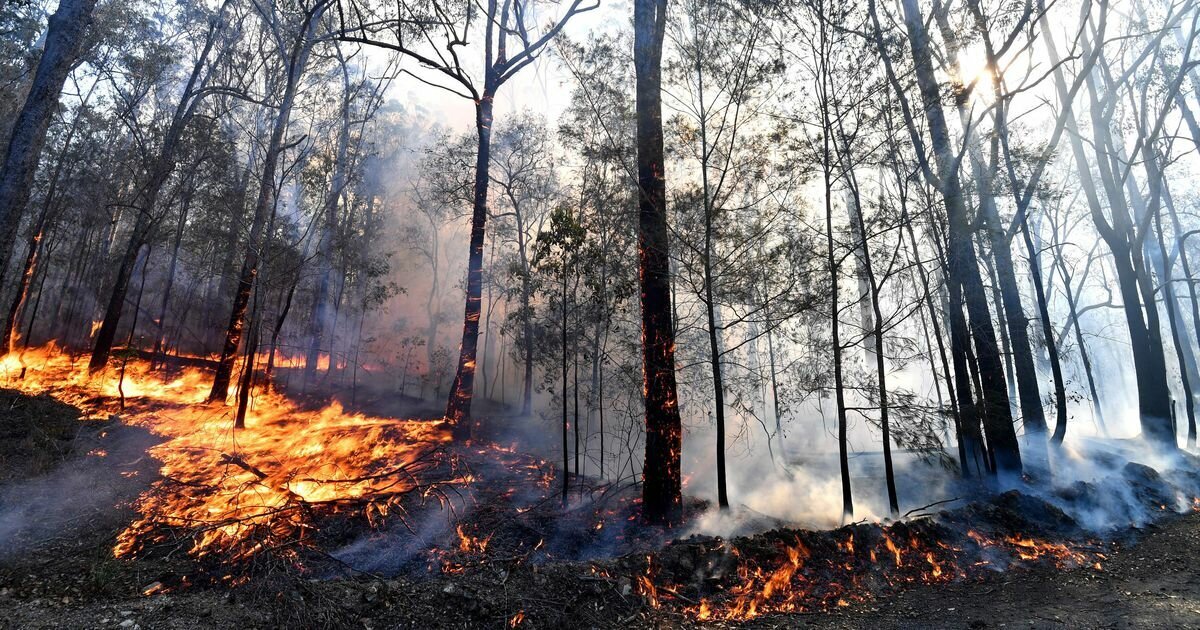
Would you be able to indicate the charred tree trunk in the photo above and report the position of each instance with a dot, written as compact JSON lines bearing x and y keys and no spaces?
{"x":297,"y":61}
{"x":458,"y":407}
{"x":661,"y":486}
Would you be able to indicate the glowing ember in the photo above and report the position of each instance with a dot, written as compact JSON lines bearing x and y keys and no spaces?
{"x":796,"y":579}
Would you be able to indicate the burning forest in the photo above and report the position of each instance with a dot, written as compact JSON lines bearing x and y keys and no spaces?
{"x":814,"y":312}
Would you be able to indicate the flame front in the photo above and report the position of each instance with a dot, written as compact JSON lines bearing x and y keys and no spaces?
{"x":237,"y":491}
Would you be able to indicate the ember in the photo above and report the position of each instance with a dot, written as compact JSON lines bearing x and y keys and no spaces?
{"x":848,"y":568}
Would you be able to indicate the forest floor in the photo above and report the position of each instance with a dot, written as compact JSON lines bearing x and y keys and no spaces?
{"x":57,"y":569}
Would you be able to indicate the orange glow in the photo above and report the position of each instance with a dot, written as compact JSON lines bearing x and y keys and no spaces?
{"x":470,"y":544}
{"x":236,"y":491}
{"x":796,"y":581}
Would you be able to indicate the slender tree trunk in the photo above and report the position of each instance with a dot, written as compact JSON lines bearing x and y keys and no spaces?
{"x":833,"y":267}
{"x":575,"y":367}
{"x":298,"y":60}
{"x":566,"y":485}
{"x":526,"y":319}
{"x":1073,"y":311}
{"x":31,"y":321}
{"x":1194,"y":299}
{"x":64,"y":38}
{"x":458,"y":407}
{"x":1170,"y":302}
{"x":320,"y":307}
{"x":876,"y":336}
{"x":161,"y":322}
{"x":283,"y":313}
{"x":710,"y":305}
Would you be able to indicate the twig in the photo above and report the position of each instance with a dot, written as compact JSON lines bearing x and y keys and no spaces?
{"x":926,"y":507}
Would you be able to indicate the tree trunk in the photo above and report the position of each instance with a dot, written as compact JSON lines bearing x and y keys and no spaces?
{"x":1073,"y":312}
{"x":566,"y":481}
{"x":320,"y":307}
{"x":287,"y":307}
{"x":710,"y":305}
{"x":876,"y":336}
{"x":458,"y":407}
{"x":64,"y":38}
{"x":526,"y":319}
{"x":161,"y":322}
{"x":661,"y":490}
{"x":298,"y":60}
{"x":833,"y":266}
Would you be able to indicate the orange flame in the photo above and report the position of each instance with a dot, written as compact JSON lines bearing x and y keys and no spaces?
{"x":233,"y":488}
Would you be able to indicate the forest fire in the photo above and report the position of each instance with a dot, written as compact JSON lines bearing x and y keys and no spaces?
{"x":237,"y":492}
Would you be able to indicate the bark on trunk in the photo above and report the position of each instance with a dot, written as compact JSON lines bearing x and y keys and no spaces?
{"x":458,"y":407}
{"x":64,"y":38}
{"x":661,"y":485}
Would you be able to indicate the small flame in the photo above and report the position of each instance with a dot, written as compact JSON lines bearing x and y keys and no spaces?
{"x":472,"y":544}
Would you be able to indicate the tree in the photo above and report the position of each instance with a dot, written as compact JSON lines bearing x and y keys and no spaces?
{"x":158,"y":171}
{"x":965,"y":284}
{"x":435,"y":20}
{"x":293,"y":44}
{"x":64,"y":39}
{"x":661,"y":490}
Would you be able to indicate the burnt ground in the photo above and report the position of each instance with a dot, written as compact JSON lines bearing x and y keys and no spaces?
{"x":60,"y":572}
{"x":1150,"y":582}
